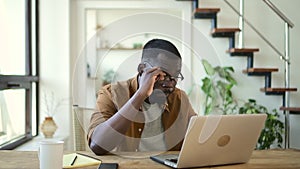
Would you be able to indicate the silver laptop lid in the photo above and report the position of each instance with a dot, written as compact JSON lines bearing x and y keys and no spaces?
{"x":220,"y":139}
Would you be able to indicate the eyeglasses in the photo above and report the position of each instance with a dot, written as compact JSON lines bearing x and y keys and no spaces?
{"x":179,"y":77}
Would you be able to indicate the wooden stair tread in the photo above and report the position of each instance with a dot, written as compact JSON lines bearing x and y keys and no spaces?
{"x":242,"y":50}
{"x":278,"y":89}
{"x":260,"y":70}
{"x":207,"y":13}
{"x":207,"y":10}
{"x":221,"y":30}
{"x":294,"y":109}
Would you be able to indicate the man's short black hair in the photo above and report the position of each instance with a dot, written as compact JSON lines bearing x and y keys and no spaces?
{"x":157,"y":46}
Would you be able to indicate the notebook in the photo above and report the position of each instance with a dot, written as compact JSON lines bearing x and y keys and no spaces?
{"x":79,"y":160}
{"x":216,"y":140}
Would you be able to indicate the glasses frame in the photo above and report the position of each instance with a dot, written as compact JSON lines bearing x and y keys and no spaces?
{"x":176,"y":79}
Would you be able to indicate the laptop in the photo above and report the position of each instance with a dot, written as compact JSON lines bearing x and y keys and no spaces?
{"x":216,"y":140}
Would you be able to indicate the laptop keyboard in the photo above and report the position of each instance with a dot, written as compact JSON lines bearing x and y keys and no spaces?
{"x":174,"y":160}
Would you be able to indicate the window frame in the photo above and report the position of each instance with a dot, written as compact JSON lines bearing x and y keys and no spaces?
{"x":26,"y":81}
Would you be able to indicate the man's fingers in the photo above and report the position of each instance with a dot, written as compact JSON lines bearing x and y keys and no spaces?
{"x":151,"y":70}
{"x":155,"y":71}
{"x":158,"y":74}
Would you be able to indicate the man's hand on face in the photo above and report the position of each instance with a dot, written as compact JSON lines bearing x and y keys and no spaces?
{"x":147,"y":79}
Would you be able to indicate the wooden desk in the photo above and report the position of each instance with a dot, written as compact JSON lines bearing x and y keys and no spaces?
{"x":264,"y":159}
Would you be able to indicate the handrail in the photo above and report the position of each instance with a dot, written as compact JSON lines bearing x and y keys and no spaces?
{"x":279,"y":13}
{"x":281,"y":56}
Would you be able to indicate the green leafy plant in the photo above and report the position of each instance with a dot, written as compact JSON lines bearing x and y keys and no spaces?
{"x":217,"y":86}
{"x":273,"y":127}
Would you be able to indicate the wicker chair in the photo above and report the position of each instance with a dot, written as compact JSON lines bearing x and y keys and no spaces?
{"x":81,"y":119}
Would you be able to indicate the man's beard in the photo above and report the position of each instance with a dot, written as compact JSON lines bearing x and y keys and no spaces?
{"x":159,"y":96}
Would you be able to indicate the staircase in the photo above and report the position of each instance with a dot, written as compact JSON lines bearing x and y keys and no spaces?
{"x":251,"y":70}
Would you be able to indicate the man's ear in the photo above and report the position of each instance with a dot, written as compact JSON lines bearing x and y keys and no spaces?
{"x":141,"y":68}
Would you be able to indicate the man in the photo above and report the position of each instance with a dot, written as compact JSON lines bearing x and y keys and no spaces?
{"x":145,"y":113}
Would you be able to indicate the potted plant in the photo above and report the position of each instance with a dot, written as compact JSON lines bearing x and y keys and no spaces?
{"x":217,"y":87}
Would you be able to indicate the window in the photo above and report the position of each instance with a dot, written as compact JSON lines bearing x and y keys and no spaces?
{"x":18,"y":72}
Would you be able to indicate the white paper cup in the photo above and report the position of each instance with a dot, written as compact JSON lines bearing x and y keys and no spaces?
{"x":51,"y":154}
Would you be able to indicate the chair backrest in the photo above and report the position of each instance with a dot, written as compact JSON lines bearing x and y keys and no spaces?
{"x":81,"y":119}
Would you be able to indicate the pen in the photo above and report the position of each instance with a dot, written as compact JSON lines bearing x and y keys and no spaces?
{"x":88,"y":156}
{"x":74,"y":160}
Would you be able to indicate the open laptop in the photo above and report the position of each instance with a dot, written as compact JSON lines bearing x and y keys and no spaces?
{"x":216,"y":140}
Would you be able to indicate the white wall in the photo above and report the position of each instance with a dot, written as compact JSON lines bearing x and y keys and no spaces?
{"x":55,"y":58}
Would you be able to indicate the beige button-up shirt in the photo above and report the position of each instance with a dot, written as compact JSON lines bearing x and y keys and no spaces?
{"x":175,"y":117}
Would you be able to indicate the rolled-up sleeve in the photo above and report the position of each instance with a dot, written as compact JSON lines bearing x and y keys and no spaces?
{"x":104,"y":110}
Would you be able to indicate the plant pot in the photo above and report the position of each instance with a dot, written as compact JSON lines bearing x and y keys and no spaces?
{"x":48,"y":127}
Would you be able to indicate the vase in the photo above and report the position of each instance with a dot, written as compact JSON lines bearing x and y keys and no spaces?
{"x":48,"y":127}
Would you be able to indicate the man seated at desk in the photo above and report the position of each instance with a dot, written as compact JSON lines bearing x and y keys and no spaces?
{"x":147,"y":112}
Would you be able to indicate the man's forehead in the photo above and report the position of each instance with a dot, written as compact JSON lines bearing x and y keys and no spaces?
{"x":170,"y":64}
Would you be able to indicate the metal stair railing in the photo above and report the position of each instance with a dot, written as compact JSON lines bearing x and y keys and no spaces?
{"x":285,"y":57}
{"x":245,"y":20}
{"x":287,"y":25}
